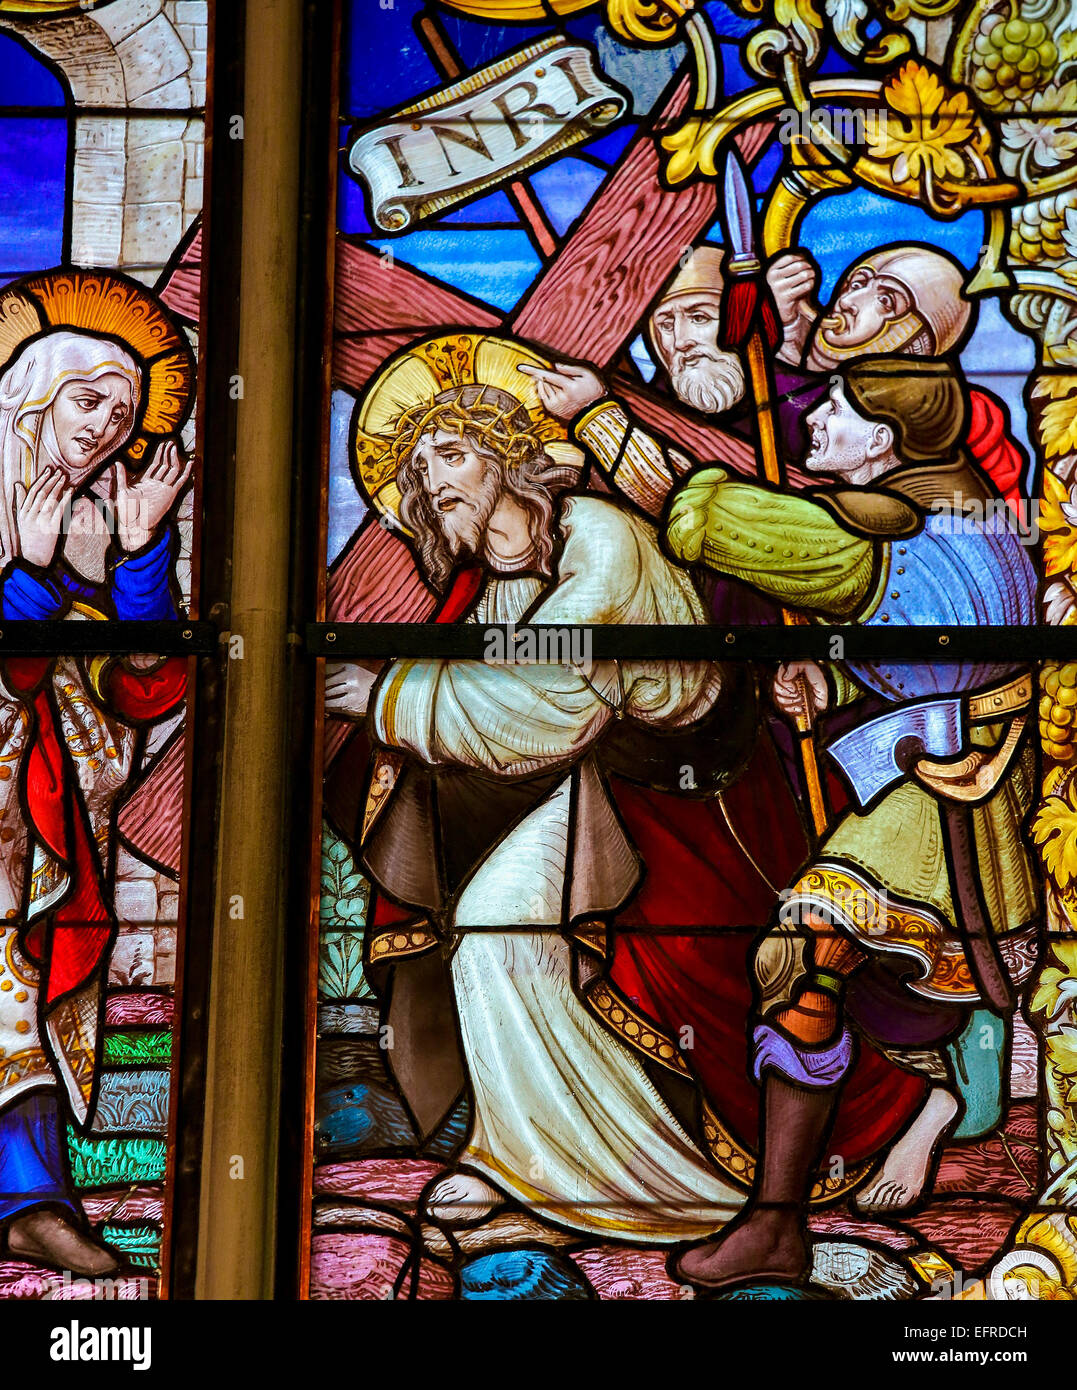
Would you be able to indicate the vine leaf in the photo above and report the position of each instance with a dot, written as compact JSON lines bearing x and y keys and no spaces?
{"x":926,"y":128}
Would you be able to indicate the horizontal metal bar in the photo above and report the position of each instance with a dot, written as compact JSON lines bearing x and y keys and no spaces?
{"x":475,"y":642}
{"x":180,"y":638}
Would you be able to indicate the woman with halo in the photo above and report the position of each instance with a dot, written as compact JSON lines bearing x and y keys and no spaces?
{"x":69,"y":401}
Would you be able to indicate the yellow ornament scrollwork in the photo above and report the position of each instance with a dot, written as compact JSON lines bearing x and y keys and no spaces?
{"x":647,"y":21}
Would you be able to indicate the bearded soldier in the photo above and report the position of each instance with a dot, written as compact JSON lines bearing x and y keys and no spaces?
{"x":921,"y":901}
{"x":683,"y":332}
{"x":903,"y":299}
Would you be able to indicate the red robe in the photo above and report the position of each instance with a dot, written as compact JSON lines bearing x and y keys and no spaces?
{"x":698,"y":876}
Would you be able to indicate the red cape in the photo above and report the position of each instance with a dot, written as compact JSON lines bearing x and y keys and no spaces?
{"x":992,"y":447}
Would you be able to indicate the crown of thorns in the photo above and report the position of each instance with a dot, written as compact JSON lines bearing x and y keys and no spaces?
{"x":507,"y":427}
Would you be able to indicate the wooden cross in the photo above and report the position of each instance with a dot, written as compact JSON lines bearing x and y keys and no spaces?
{"x":587,"y":303}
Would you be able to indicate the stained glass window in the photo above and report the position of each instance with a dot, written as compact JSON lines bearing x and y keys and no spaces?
{"x":695,"y":870}
{"x":592,"y":815}
{"x":102,"y":127}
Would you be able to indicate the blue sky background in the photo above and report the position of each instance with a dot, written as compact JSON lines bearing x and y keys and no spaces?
{"x":33,"y":164}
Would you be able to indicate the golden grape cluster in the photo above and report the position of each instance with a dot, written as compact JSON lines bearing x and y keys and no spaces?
{"x":1012,"y":58}
{"x":1038,"y":227}
{"x":1057,"y":705}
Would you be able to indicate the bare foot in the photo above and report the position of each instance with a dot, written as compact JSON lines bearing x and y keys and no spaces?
{"x":897,"y":1185}
{"x":462,"y":1199}
{"x":45,"y":1237}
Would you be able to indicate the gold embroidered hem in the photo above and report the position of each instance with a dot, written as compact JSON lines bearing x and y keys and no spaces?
{"x":881,"y":923}
{"x":633,"y":1028}
{"x":735,"y":1159}
{"x":411,"y":940}
{"x":23,"y":1066}
{"x":550,"y":1209}
{"x":739,"y":1163}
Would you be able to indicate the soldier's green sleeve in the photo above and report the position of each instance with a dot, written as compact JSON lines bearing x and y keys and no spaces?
{"x":784,"y":545}
{"x":846,"y":690}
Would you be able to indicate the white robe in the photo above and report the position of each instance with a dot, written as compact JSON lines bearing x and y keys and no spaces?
{"x":564,"y":1118}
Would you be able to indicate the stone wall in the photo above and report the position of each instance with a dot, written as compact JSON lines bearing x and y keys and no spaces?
{"x":137,"y":74}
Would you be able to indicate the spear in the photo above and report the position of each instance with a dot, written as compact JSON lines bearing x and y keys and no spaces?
{"x":750,"y":321}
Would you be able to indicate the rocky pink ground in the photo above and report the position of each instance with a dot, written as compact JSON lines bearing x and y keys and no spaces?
{"x":973,"y":1207}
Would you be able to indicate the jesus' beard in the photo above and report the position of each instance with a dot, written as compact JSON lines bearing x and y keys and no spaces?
{"x":711,"y":383}
{"x":464,"y":527}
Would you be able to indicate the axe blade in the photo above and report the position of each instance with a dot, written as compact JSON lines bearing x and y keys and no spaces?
{"x":868,"y":756}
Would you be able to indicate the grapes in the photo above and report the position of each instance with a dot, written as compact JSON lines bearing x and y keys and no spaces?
{"x":1057,"y":710}
{"x":1010,"y":58}
{"x":1037,"y":228}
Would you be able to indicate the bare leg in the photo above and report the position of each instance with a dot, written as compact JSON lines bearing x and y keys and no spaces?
{"x":462,"y":1199}
{"x":897,"y":1185}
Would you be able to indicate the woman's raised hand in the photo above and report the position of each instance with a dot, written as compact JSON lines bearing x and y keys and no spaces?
{"x":39,"y":514}
{"x":142,"y":505}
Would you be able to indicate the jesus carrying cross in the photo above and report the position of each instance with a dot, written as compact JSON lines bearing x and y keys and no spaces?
{"x":499,"y":840}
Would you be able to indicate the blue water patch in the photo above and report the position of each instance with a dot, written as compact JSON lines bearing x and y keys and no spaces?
{"x":346,"y":505}
{"x":524,"y":1276}
{"x":33,"y":177}
{"x":360,"y":1117}
{"x":24,"y":79}
{"x":449,"y":1139}
{"x":495,"y":266}
{"x":840,"y":229}
{"x":565,"y":188}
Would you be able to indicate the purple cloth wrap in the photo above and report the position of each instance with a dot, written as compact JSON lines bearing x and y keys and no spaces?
{"x":809,"y":1066}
